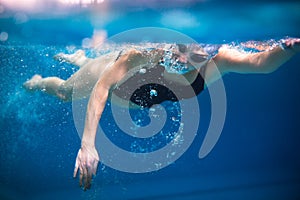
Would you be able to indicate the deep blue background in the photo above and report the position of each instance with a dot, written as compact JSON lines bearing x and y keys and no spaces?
{"x":257,"y":156}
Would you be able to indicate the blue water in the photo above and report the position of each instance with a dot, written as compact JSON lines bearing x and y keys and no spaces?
{"x":257,"y":156}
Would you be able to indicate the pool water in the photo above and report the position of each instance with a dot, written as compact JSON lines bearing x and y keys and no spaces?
{"x":256,"y":157}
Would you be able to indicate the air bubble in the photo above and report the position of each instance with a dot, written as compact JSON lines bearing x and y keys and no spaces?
{"x":143,"y":71}
{"x":86,"y":43}
{"x":158,"y":165}
{"x":153,"y":93}
{"x":152,"y":109}
{"x":3,"y":36}
{"x":20,"y":18}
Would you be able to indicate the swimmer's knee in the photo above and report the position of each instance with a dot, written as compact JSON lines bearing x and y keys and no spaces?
{"x":64,"y":94}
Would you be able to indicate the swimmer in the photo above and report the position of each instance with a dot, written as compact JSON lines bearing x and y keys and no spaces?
{"x":100,"y":76}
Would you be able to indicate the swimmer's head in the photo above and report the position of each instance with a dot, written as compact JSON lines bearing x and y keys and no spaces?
{"x":182,"y":58}
{"x":192,"y":54}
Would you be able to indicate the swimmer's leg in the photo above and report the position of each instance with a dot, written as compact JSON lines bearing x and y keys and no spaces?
{"x":78,"y":58}
{"x":50,"y":85}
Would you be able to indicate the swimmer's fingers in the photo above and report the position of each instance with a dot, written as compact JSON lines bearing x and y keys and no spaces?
{"x":90,"y":170}
{"x":83,"y":174}
{"x":84,"y":178}
{"x":77,"y":162}
{"x":93,"y":160}
{"x":81,"y":177}
{"x":94,"y":167}
{"x":80,"y":164}
{"x":75,"y":170}
{"x":296,"y":44}
{"x":88,"y":180}
{"x":293,"y":43}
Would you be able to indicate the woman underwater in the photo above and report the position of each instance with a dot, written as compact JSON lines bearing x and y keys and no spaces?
{"x":103,"y":75}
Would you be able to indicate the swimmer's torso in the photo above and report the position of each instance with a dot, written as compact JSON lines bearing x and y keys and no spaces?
{"x":143,"y":86}
{"x":165,"y":79}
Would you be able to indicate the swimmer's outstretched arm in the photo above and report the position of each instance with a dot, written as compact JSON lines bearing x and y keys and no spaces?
{"x":230,"y":60}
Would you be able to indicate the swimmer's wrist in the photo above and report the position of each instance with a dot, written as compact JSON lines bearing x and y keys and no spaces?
{"x":91,"y":150}
{"x":87,"y":144}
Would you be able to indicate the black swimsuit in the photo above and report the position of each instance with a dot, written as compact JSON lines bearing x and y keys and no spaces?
{"x":147,"y":89}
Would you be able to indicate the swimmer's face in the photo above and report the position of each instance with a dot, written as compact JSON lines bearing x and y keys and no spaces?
{"x":192,"y":54}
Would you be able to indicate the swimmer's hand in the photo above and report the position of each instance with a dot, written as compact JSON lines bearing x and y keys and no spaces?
{"x":292,"y":43}
{"x":87,"y":162}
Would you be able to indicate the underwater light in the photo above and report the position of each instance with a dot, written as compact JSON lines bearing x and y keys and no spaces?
{"x":81,"y":1}
{"x":38,"y":5}
{"x":21,"y":5}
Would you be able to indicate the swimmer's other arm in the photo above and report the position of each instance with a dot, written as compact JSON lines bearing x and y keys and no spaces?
{"x":87,"y":157}
{"x":231,"y":60}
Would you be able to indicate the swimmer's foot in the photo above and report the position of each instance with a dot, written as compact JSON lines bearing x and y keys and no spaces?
{"x":78,"y":58}
{"x":32,"y":84}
